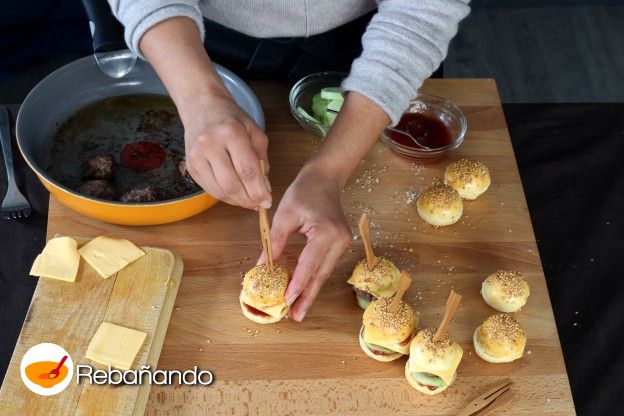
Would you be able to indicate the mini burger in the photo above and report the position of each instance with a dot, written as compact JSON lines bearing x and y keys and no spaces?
{"x":262,"y":297}
{"x":499,"y":339}
{"x":380,"y":282}
{"x":432,"y":365}
{"x":385,"y":336}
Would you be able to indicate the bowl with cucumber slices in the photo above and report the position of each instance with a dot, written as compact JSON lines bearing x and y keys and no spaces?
{"x":316,"y":100}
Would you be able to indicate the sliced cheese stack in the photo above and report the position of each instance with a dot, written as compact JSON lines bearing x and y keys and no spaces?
{"x":58,"y":260}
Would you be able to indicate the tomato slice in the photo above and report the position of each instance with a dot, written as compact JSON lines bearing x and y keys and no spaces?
{"x":255,"y":311}
{"x":142,"y":156}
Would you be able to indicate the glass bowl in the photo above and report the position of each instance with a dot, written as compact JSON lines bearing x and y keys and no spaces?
{"x":301,"y":96}
{"x":441,"y":109}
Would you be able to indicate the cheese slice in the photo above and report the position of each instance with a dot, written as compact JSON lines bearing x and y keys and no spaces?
{"x":386,"y":342}
{"x":115,"y":345}
{"x":273,"y":310}
{"x":108,"y":256}
{"x":443,"y":367}
{"x":58,"y":260}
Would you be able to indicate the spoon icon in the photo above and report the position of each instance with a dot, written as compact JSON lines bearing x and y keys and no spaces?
{"x":54,"y":373}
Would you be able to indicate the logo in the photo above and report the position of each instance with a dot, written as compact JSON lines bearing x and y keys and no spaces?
{"x":46,"y":369}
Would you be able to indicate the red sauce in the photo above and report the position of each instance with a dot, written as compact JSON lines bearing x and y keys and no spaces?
{"x":142,"y":156}
{"x":426,"y":129}
{"x":377,"y":352}
{"x":255,"y":311}
{"x":406,"y":340}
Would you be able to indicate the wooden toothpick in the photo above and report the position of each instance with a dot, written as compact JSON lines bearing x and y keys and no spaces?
{"x":364,"y":226}
{"x":404,"y":283}
{"x":265,"y":230}
{"x":452,"y":303}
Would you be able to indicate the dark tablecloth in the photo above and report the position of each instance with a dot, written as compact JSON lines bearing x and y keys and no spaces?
{"x":571,"y":160}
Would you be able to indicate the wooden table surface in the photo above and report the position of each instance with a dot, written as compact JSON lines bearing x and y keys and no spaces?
{"x":316,"y":367}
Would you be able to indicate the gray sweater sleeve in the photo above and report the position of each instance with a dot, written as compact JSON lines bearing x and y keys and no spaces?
{"x":139,"y":15}
{"x":404,"y":43}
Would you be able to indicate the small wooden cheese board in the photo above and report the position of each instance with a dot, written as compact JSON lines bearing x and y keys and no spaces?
{"x":140,"y":296}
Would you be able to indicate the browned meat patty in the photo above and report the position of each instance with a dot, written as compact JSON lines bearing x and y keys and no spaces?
{"x":364,"y":294}
{"x":184,"y":171}
{"x":148,"y":194}
{"x":98,"y":188}
{"x":99,"y":167}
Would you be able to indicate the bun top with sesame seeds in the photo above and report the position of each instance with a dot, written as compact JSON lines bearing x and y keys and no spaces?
{"x":381,"y":282}
{"x":469,"y":178}
{"x":264,"y":287}
{"x":505,"y":290}
{"x":440,"y":205}
{"x":380,"y":323}
{"x":500,"y":339}
{"x":440,"y":358}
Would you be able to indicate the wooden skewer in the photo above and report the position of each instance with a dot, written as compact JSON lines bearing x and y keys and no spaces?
{"x":364,"y":226}
{"x":452,"y":304}
{"x":404,"y":283}
{"x":265,"y":230}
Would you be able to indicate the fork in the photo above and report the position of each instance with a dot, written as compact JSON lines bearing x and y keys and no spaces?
{"x":493,"y":399}
{"x":14,"y":204}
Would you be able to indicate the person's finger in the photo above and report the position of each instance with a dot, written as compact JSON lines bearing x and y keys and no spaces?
{"x":300,"y":308}
{"x":228,"y":179}
{"x":247,"y":166}
{"x":201,"y":172}
{"x":285,"y":223}
{"x":310,"y":260}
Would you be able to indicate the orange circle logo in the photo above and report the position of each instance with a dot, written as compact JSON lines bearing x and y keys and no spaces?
{"x":46,"y":369}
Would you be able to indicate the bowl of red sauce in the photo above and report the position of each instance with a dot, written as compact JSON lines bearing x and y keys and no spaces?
{"x":435,"y":122}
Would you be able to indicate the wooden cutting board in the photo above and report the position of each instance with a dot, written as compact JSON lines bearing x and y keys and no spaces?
{"x":140,"y":296}
{"x":316,"y":367}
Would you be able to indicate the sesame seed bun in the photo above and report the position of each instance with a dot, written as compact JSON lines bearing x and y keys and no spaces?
{"x":505,"y":290}
{"x":392,"y":331}
{"x":423,"y":389}
{"x":381,"y":282}
{"x":264,"y":289}
{"x":500,"y":339}
{"x":440,"y":205}
{"x":468,"y":177}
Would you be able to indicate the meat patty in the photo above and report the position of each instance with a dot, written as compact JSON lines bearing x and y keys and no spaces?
{"x":184,"y":171}
{"x":99,"y":167}
{"x":147,"y":194}
{"x":98,"y":188}
{"x":364,"y":294}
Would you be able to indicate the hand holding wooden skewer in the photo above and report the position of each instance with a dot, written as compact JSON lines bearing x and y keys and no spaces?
{"x":364,"y":226}
{"x":452,"y":304}
{"x":404,"y":283}
{"x":265,"y":230}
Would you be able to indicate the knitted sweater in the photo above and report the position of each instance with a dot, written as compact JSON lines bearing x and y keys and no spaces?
{"x":404,"y":43}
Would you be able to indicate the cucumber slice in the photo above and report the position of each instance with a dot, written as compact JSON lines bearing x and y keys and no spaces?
{"x":378,"y":348}
{"x":306,"y":115}
{"x":319,"y":106}
{"x":362,"y":302}
{"x":332,"y":93}
{"x":428,"y":379}
{"x":335,"y":105}
{"x":328,"y":118}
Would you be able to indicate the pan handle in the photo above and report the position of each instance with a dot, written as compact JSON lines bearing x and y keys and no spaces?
{"x":106,"y":31}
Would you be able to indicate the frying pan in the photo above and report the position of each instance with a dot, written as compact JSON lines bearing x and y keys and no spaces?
{"x":81,"y":83}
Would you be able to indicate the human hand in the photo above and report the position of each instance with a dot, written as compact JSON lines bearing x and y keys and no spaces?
{"x":224,"y":147}
{"x":310,"y":206}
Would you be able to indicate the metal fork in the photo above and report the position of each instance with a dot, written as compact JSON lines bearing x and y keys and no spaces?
{"x":14,"y":204}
